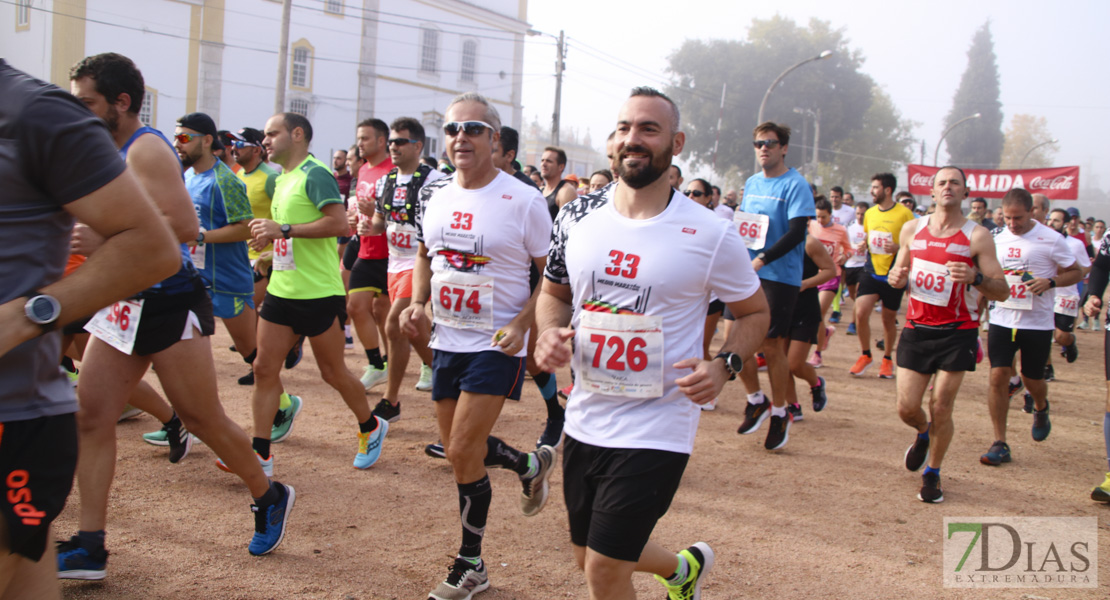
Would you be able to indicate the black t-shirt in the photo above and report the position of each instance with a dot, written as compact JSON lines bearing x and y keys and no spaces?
{"x":52,"y":151}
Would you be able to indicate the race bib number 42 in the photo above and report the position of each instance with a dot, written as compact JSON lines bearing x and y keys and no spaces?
{"x":620,"y":355}
{"x":1020,"y":296}
{"x":116,"y":324}
{"x":462,"y":300}
{"x":753,"y":229}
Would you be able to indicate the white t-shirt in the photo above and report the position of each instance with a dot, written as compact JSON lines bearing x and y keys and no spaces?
{"x":1079,"y":251}
{"x":400,"y":236}
{"x":724,"y":211}
{"x":1040,"y":253}
{"x":484,"y":240}
{"x":845,"y":215}
{"x":662,"y":270}
{"x":856,"y":235}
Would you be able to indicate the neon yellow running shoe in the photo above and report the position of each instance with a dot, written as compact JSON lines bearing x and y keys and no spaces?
{"x":700,"y":559}
{"x":1102,"y":492}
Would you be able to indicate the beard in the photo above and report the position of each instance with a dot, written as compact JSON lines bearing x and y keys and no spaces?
{"x":640,"y":177}
{"x":112,"y":119}
{"x":188,"y":160}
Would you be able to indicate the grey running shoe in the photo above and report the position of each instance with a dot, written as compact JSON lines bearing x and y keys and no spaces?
{"x":534,"y":495}
{"x":463,"y":581}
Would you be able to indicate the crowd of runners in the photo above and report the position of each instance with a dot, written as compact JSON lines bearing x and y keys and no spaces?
{"x":488,"y":271}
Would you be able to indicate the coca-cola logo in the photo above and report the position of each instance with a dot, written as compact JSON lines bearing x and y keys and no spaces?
{"x":921,"y":179}
{"x":1062,"y":182}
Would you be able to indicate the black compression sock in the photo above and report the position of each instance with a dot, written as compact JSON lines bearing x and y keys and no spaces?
{"x":474,"y":501}
{"x":374,"y":355}
{"x":261,"y":446}
{"x":500,"y":454}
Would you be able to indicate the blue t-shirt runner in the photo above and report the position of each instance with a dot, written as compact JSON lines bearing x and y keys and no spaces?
{"x":220,"y":199}
{"x":781,"y":199}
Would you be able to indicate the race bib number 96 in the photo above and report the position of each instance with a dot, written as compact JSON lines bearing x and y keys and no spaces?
{"x":117,"y":324}
{"x":620,"y":355}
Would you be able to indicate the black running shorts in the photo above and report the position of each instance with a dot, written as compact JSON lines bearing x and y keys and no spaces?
{"x":309,"y":318}
{"x":350,"y":253}
{"x":164,"y":318}
{"x":781,"y":298}
{"x":807,"y":317}
{"x":716,"y":307}
{"x":489,"y":372}
{"x":614,"y":496}
{"x":928,"y":349}
{"x":369,"y":275}
{"x":891,"y":297}
{"x":852,"y":275}
{"x":38,"y":458}
{"x":1004,"y":342}
{"x":1065,"y":323}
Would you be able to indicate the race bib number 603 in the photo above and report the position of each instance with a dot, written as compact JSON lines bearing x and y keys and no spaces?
{"x":620,"y":355}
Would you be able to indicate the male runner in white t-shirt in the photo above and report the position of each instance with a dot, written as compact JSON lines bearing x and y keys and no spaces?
{"x":1035,"y":259}
{"x":629,"y":267}
{"x":1066,"y":307}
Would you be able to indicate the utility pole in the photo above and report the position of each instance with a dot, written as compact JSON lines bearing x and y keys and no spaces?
{"x":559,"y":66}
{"x":720,"y":118}
{"x":816,"y":138}
{"x":283,"y":58}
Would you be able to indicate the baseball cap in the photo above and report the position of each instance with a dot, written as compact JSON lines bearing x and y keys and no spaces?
{"x":1073,"y":211}
{"x":251,"y":136}
{"x":203,"y":124}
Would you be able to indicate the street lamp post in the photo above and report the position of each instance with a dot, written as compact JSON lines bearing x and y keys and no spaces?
{"x":1022,"y":163}
{"x":763,"y":104}
{"x":936,"y":152}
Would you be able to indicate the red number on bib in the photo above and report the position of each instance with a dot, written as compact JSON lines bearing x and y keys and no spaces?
{"x":457,"y":303}
{"x":121,"y":316}
{"x":1017,"y":291}
{"x":281,"y":247}
{"x":929,"y":281}
{"x":635,"y":356}
{"x":749,"y":230}
{"x":400,"y":240}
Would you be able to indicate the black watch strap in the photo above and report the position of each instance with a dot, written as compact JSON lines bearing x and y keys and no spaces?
{"x":978,"y":279}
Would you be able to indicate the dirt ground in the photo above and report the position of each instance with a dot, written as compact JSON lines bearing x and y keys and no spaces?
{"x":832,"y":515}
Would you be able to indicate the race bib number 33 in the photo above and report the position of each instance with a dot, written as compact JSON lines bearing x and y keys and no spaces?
{"x":620,"y":355}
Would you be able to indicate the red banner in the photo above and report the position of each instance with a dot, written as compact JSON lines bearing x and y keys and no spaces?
{"x":1058,"y":183}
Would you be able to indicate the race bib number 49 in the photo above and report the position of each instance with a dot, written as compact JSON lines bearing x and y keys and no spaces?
{"x":283,"y":255}
{"x":753,"y":229}
{"x":462,"y":300}
{"x":620,"y":355}
{"x":116,"y":324}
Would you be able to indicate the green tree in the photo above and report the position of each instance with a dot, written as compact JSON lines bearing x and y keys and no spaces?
{"x":1025,"y":133}
{"x":977,"y":143}
{"x":835,"y":86}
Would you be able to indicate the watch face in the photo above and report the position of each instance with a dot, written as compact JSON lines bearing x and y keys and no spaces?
{"x":43,"y":309}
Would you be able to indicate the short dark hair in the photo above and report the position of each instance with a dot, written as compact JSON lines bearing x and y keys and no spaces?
{"x":962,"y":174}
{"x":1018,"y":197}
{"x":982,"y":201}
{"x":705,"y":184}
{"x":1067,"y":217}
{"x":886,"y":180}
{"x":411,"y":125}
{"x":606,"y":173}
{"x":377,"y":124}
{"x":677,"y":168}
{"x":822,"y":203}
{"x":650,"y":92}
{"x":717,"y":189}
{"x":782,"y":132}
{"x":113,"y":74}
{"x":837,"y":189}
{"x":560,"y":155}
{"x":294,"y":120}
{"x":510,"y":140}
{"x":354,"y":150}
{"x":865,"y":204}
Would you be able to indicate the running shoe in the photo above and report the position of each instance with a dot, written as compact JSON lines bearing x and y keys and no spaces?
{"x":534,"y":495}
{"x":387,"y":412}
{"x":834,"y":317}
{"x":270,"y":522}
{"x":880,"y":344}
{"x":247,"y":379}
{"x":1083,"y":325}
{"x":779,"y":432}
{"x":424,"y":384}
{"x":295,"y":354}
{"x":1042,"y":426}
{"x":129,"y":412}
{"x":709,"y":406}
{"x":998,"y":454}
{"x":851,"y":329}
{"x":699,"y":559}
{"x":820,"y":398}
{"x":1016,"y":387}
{"x":283,"y":420}
{"x":917,"y":454}
{"x":815,"y":360}
{"x":761,"y":361}
{"x":463,"y":581}
{"x":862,"y":363}
{"x":1102,"y":492}
{"x":267,"y":464}
{"x":157,"y":438}
{"x":1071,"y":352}
{"x":1049,"y":373}
{"x":373,"y":376}
{"x":179,"y":441}
{"x":75,"y":562}
{"x":1028,"y":408}
{"x":886,"y":369}
{"x":435,"y":450}
{"x":754,"y":416}
{"x":930,"y":489}
{"x":829,"y":332}
{"x":552,"y":434}
{"x":370,"y":445}
{"x":349,"y":343}
{"x":795,"y":411}
{"x":565,"y":392}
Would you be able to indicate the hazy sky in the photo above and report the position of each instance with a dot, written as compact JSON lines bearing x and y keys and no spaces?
{"x":1052,"y":59}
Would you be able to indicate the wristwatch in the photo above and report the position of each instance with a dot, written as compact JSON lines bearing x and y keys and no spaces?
{"x":1051,"y":283}
{"x":43,"y":310}
{"x":287,"y":231}
{"x":733,"y":363}
{"x":978,"y":279}
{"x":200,"y":237}
{"x":760,"y":257}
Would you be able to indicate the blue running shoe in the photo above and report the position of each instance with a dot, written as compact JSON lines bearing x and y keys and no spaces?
{"x":998,"y":454}
{"x":1041,"y":424}
{"x":834,"y":317}
{"x":370,"y":445}
{"x":270,"y":522}
{"x":75,"y":562}
{"x":851,"y":329}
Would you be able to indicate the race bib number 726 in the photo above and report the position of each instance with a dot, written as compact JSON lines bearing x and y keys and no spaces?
{"x":620,"y":355}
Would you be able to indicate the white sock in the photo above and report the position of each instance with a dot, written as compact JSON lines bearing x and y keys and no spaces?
{"x":778,"y":411}
{"x":1016,"y":379}
{"x":756,"y":398}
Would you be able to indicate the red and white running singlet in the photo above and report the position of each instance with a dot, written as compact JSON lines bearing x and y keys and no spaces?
{"x":935,"y":300}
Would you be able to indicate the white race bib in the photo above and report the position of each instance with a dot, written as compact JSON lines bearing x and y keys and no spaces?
{"x":462,"y":300}
{"x":402,"y":240}
{"x":1020,"y":296}
{"x":875,"y":240}
{"x":620,"y":355}
{"x":753,"y":229}
{"x":1066,"y":305}
{"x":930,"y":282}
{"x":117,"y":324}
{"x":197,"y":253}
{"x":283,"y":255}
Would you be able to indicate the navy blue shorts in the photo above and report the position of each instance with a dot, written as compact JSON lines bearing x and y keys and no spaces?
{"x":489,"y":372}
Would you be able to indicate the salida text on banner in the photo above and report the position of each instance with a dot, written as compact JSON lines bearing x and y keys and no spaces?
{"x":1058,"y":183}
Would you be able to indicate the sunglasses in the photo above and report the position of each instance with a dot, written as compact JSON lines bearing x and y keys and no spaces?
{"x":470,"y":128}
{"x":239,"y":145}
{"x":185,"y":138}
{"x":402,"y":142}
{"x":765,"y":143}
{"x":694,"y":193}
